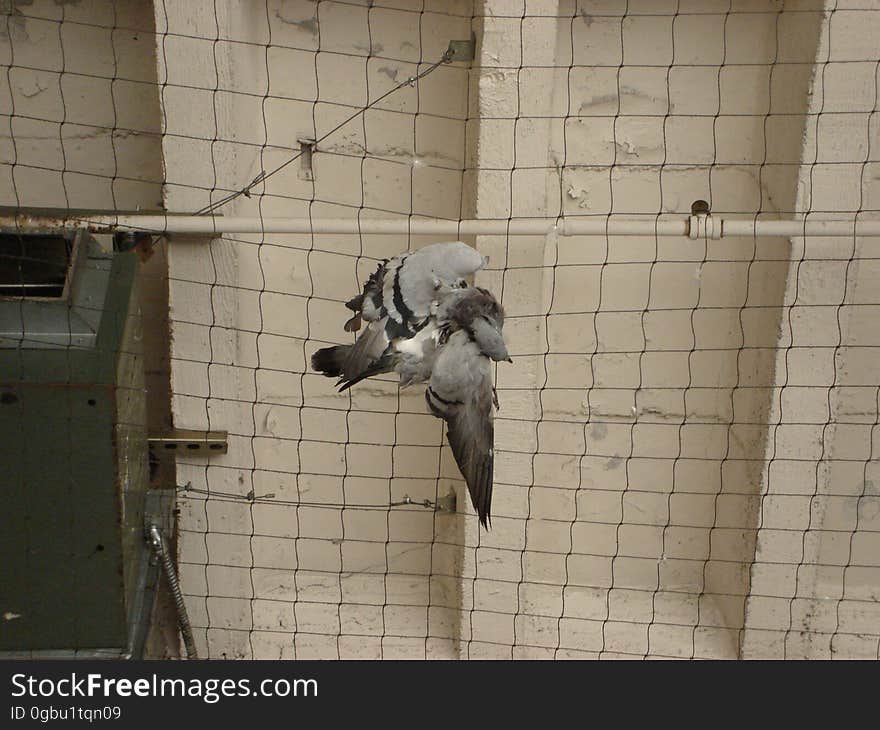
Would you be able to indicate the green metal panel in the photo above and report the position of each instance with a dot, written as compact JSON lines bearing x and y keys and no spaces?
{"x":73,"y":451}
{"x":62,"y":568}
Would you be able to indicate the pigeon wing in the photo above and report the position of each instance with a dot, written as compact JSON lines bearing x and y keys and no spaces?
{"x":470,"y":431}
{"x":368,"y":303}
{"x":369,"y":347}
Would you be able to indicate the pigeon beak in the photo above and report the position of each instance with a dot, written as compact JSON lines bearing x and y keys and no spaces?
{"x":510,"y":360}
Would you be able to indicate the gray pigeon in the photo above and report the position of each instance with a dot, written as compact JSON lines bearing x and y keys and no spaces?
{"x":396,"y":301}
{"x":460,"y":390}
{"x":437,"y":329}
{"x":452,"y":351}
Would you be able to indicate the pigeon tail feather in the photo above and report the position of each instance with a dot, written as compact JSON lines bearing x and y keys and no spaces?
{"x":330,"y":360}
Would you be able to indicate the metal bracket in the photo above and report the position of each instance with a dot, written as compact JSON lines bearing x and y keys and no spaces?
{"x":129,"y":240}
{"x":195,"y":443}
{"x":159,"y":506}
{"x":462,"y":50}
{"x":701,"y":224}
{"x":449,"y":503}
{"x":306,"y":152}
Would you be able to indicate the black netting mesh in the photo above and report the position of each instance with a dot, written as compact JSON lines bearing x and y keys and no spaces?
{"x":684,"y":448}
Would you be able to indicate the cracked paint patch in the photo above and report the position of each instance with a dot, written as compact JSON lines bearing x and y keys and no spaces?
{"x":390,"y":72}
{"x":579,"y":195}
{"x":309,"y":25}
{"x":29,"y":91}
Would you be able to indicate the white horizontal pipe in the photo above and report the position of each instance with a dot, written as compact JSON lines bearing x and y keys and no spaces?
{"x":834,"y":228}
{"x":594,"y":226}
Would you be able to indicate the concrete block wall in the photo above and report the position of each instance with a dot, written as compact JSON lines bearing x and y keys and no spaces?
{"x":79,"y":124}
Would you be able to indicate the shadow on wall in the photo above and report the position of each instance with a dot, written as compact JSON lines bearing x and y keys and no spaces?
{"x":749,"y":366}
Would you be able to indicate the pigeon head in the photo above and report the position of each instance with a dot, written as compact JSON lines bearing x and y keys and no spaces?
{"x":479,"y":313}
{"x":489,"y":339}
{"x":464,"y":260}
{"x":489,"y":306}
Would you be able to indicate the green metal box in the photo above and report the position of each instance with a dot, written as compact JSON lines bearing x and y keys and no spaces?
{"x":73,"y":452}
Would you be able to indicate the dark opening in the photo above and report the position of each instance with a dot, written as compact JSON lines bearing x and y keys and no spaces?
{"x":33,"y":265}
